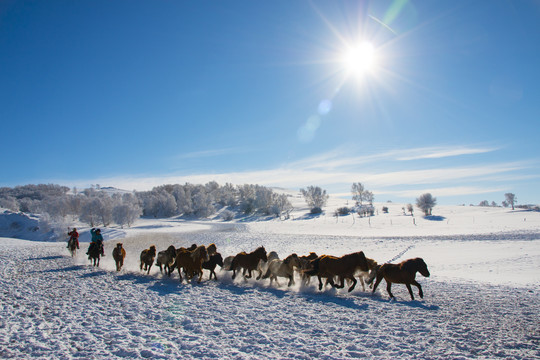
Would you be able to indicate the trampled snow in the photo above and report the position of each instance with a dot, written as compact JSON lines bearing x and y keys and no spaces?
{"x":481,"y":300}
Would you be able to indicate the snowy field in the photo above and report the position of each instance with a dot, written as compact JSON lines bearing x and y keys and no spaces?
{"x":481,"y":300}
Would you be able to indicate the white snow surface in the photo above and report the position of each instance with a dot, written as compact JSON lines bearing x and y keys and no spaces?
{"x":481,"y":300}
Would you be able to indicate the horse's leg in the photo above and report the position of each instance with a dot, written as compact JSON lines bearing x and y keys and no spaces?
{"x":149,"y":267}
{"x":291,"y":280}
{"x":249,"y":274}
{"x":320,"y":282}
{"x":388,"y":288}
{"x":379,"y":279}
{"x":353,"y":283}
{"x":180,"y":273}
{"x":420,"y":292}
{"x":362,"y":282}
{"x":341,"y":282}
{"x":233,"y":274}
{"x":410,"y":290}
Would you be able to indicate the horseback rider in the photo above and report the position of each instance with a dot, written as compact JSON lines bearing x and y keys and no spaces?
{"x":97,"y":240}
{"x":73,"y":236}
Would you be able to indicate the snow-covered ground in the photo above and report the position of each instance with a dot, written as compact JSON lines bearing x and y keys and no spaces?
{"x":481,"y":300}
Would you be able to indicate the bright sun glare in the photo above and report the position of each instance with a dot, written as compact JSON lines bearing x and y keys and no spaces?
{"x":360,"y":59}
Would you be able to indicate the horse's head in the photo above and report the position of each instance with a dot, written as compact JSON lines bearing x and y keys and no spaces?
{"x":201,"y":253}
{"x":152,"y":250}
{"x":218,"y":258}
{"x":422,"y":267}
{"x":261,"y":253}
{"x":292,"y":260}
{"x":212,"y":249}
{"x":118,"y":246}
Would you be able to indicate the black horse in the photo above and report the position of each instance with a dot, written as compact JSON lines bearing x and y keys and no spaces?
{"x":94,"y":253}
{"x":214,"y":260}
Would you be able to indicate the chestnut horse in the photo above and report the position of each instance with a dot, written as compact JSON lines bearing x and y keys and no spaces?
{"x":402,"y":273}
{"x":191,"y":261}
{"x":248,"y":262}
{"x":147,"y":258}
{"x":119,"y":255}
{"x":344,"y":267}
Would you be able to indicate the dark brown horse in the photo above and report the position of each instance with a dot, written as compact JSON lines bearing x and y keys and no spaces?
{"x":402,"y":273}
{"x":94,"y":253}
{"x":344,"y":267}
{"x":119,"y":254}
{"x":248,"y":262}
{"x":191,"y":262}
{"x":214,"y":260}
{"x":147,"y":258}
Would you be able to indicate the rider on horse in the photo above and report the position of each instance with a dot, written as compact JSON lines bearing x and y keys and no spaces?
{"x":73,"y":237}
{"x":97,"y":240}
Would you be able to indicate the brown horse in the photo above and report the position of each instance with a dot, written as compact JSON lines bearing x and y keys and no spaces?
{"x":344,"y":267}
{"x":119,"y":254}
{"x":147,"y":258}
{"x":191,"y":262}
{"x":305,"y":264}
{"x":402,"y":273}
{"x":165,"y":259}
{"x":211,"y":249}
{"x":248,"y":262}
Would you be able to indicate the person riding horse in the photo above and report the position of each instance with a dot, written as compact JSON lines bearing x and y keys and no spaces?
{"x":73,"y":237}
{"x":97,"y":240}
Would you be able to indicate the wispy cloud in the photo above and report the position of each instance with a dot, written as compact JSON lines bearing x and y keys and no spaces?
{"x":437,"y":153}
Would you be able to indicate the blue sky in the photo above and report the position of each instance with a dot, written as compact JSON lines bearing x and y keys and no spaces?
{"x":135,"y":94}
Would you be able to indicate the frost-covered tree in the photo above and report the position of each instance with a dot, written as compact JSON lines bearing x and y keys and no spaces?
{"x":247,"y":196}
{"x":281,"y":205}
{"x":126,"y":210}
{"x":357,"y":191}
{"x":10,"y":203}
{"x":426,"y":202}
{"x":90,"y":211}
{"x":410,"y":208}
{"x":315,"y":198}
{"x":202,"y":204}
{"x":484,"y":203}
{"x":510,"y":199}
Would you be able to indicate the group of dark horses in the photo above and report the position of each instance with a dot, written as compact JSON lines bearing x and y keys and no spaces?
{"x":335,"y":270}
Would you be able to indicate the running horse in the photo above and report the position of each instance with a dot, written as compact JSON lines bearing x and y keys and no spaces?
{"x":248,"y":262}
{"x":94,"y":254}
{"x":344,"y":267}
{"x":402,"y":273}
{"x":72,"y":246}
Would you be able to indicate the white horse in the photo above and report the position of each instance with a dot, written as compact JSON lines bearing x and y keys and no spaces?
{"x":282,"y":268}
{"x":262,"y":267}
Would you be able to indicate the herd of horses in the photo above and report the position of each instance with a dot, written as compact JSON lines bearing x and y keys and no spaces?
{"x":330,"y":270}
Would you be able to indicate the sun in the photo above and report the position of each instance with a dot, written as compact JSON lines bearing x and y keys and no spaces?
{"x":360,"y":59}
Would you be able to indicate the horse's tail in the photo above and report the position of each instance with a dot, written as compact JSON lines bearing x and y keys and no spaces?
{"x":315,"y":269}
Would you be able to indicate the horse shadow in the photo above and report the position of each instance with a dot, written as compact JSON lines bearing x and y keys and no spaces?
{"x":418,"y":304}
{"x":53,"y":257}
{"x":95,"y":273}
